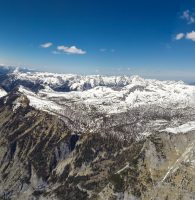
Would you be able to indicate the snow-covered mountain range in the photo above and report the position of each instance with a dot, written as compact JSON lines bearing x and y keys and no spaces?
{"x":91,"y":97}
{"x":105,"y":137}
{"x":106,"y":94}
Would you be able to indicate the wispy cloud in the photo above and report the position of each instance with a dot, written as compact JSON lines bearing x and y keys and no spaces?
{"x":179,"y":36}
{"x":107,"y":50}
{"x":71,"y":50}
{"x":46,"y":45}
{"x":188,"y":16}
{"x":56,"y":52}
{"x":191,"y":36}
{"x":188,"y":36}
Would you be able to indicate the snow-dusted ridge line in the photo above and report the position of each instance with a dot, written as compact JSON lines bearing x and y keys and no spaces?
{"x":40,"y":103}
{"x":92,"y":98}
{"x":106,"y":94}
{"x":78,"y":82}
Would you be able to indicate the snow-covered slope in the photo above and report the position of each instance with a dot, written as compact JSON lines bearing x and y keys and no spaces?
{"x":122,"y":100}
{"x":89,"y":99}
{"x":118,"y":94}
{"x":2,"y":92}
{"x":74,"y":82}
{"x":184,"y":128}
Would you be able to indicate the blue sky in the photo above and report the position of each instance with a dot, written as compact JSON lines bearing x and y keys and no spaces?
{"x":152,"y":38}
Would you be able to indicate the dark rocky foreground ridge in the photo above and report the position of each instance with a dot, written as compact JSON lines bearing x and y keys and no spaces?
{"x":41,"y":158}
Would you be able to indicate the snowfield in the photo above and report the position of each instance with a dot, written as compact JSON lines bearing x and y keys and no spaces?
{"x":2,"y":92}
{"x":190,"y":126}
{"x":141,"y":106}
{"x":106,"y":94}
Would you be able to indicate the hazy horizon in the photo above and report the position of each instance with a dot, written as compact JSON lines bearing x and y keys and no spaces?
{"x":147,"y":76}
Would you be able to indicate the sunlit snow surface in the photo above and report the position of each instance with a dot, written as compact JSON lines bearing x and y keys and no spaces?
{"x":184,"y":128}
{"x":2,"y":92}
{"x":107,"y":94}
{"x":100,"y":103}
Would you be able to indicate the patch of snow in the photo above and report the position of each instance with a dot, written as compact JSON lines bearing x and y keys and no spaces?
{"x":16,"y":105}
{"x":190,"y":126}
{"x":146,"y":134}
{"x":2,"y":92}
{"x":121,"y":170}
{"x":40,"y":103}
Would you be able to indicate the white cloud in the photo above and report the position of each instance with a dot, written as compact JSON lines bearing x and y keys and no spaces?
{"x":179,"y":36}
{"x":46,"y":45}
{"x":71,"y":50}
{"x":188,"y":16}
{"x":191,"y":36}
